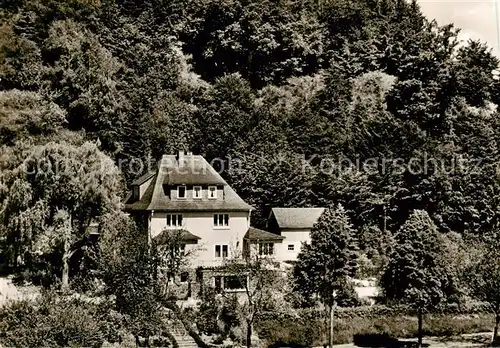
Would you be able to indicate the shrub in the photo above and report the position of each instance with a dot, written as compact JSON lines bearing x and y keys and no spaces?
{"x":206,"y":320}
{"x":59,"y":322}
{"x":374,"y":340}
{"x":347,"y":296}
{"x":216,"y":315}
{"x":288,"y":331}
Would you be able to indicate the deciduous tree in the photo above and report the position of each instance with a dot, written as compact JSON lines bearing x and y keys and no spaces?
{"x":258,"y":276}
{"x":128,"y":266}
{"x":483,"y":279}
{"x":54,"y":195}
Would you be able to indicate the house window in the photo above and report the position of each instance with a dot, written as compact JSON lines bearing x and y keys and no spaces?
{"x":291,"y":247}
{"x":174,"y":220}
{"x":266,"y":249}
{"x":221,"y":251}
{"x":184,"y":277}
{"x":229,"y":283}
{"x":212,"y":192}
{"x":235,"y":282}
{"x":221,"y":220}
{"x":181,"y":192}
{"x":197,"y":192}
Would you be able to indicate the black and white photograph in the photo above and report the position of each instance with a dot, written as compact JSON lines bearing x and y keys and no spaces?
{"x":249,"y":173}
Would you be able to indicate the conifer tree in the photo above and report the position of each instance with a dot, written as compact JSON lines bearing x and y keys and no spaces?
{"x":417,"y":274}
{"x":325,"y":265}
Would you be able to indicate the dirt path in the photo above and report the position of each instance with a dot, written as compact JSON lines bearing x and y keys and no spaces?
{"x":9,"y":292}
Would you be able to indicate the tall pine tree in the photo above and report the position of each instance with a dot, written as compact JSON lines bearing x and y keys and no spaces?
{"x":324,"y":266}
{"x":417,"y":274}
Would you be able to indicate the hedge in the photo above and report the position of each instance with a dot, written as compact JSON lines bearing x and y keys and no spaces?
{"x":376,"y":311}
{"x":309,"y":327}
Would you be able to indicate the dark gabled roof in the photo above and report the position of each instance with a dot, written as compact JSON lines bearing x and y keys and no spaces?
{"x":141,"y":180}
{"x":255,"y":234}
{"x":297,"y":217}
{"x":195,"y":170}
{"x":179,"y":235}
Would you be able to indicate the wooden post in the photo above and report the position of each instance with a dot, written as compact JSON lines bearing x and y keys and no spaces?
{"x":385,"y":220}
{"x":331,"y":325}
{"x":332,"y":308}
{"x":420,"y":324}
{"x":249,"y":334}
{"x":66,"y":254}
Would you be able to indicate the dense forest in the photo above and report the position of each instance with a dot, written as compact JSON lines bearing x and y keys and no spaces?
{"x":403,"y":114}
{"x":364,"y":107}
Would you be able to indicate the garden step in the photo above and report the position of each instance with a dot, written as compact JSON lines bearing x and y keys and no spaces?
{"x":181,"y":335}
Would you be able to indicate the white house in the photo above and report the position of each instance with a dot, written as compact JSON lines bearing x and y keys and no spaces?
{"x":185,"y":195}
{"x":294,"y":225}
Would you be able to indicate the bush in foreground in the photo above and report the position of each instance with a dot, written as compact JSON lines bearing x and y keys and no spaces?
{"x":52,"y":321}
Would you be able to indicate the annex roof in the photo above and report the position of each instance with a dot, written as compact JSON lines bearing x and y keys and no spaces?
{"x":297,"y":217}
{"x":142,"y":179}
{"x":181,"y":235}
{"x":255,"y":234}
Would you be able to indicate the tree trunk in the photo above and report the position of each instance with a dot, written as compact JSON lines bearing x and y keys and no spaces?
{"x":420,"y":322}
{"x":495,"y":339}
{"x":65,"y":264}
{"x":16,"y":255}
{"x":385,"y":221}
{"x":249,"y":334}
{"x":332,"y":307}
{"x":66,"y":256}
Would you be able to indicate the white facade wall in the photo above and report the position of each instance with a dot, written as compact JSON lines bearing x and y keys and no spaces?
{"x":201,"y":224}
{"x":293,"y":237}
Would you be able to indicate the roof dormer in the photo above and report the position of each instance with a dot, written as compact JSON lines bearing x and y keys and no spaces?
{"x":140,"y":185}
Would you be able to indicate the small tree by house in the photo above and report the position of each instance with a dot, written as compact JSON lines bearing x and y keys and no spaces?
{"x":483,"y":278}
{"x":324,"y":266}
{"x":259,"y":278}
{"x":172,"y":251}
{"x":417,"y":274}
{"x":128,"y":267}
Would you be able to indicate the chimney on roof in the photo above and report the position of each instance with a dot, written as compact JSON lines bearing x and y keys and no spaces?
{"x":180,"y":158}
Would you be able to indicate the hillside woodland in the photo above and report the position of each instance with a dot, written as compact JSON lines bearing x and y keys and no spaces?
{"x":269,"y":84}
{"x":363,"y":103}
